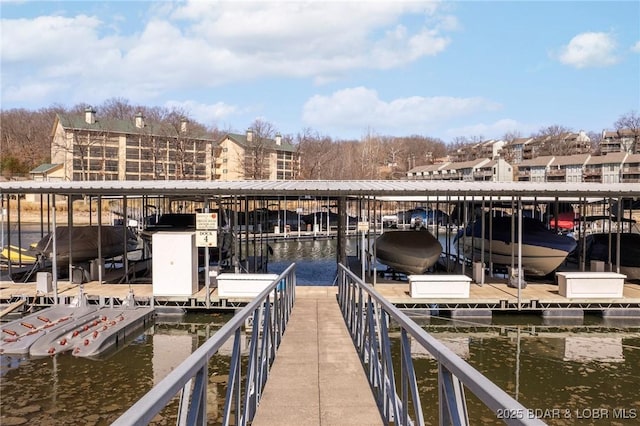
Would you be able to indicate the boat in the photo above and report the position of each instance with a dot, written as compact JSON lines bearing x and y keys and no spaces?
{"x":80,"y":243}
{"x":19,"y":255}
{"x":597,"y":248}
{"x":428,"y":217}
{"x":410,"y":252}
{"x":565,"y":221}
{"x":543,"y":250}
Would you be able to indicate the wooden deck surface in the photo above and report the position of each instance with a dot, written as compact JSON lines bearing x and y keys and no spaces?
{"x":397,"y":293}
{"x":317,"y":377}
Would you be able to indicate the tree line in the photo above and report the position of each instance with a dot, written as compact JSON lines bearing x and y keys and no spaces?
{"x":26,"y":137}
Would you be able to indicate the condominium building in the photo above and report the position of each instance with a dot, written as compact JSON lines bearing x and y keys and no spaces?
{"x":523,"y":149}
{"x":614,"y":167}
{"x":94,"y":148}
{"x":623,"y":140}
{"x":250,"y":156}
{"x":482,"y":169}
{"x":486,"y":149}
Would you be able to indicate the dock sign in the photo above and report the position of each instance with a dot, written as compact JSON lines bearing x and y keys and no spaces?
{"x":206,"y":238}
{"x":207,"y":221}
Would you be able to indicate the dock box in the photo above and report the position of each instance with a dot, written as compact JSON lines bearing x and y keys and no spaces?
{"x":590,"y":284}
{"x":175,"y":264}
{"x":439,"y":286}
{"x":243,"y":285}
{"x":44,"y":282}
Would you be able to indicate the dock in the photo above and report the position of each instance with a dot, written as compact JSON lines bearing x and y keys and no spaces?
{"x":493,"y":296}
{"x":317,"y":377}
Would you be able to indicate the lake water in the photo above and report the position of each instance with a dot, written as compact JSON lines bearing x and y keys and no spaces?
{"x":567,"y":373}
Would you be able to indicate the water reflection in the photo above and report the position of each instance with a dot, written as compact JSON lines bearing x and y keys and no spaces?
{"x":565,"y":374}
{"x":574,"y":368}
{"x":64,"y":389}
{"x":315,"y":259}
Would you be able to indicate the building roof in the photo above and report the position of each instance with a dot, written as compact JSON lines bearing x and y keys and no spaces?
{"x":108,"y":125}
{"x":610,"y":158}
{"x":428,"y":168}
{"x":568,"y":160}
{"x":489,"y":165}
{"x":241,"y":139}
{"x":518,"y":141}
{"x":542,"y":161}
{"x":465,"y":164}
{"x":45,"y":168}
{"x":615,"y":134}
{"x":632,"y":159}
{"x":338,"y":188}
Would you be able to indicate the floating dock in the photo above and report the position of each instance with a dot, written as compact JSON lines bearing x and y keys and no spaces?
{"x":110,"y":328}
{"x":19,"y":335}
{"x":495,"y":295}
{"x":86,"y":331}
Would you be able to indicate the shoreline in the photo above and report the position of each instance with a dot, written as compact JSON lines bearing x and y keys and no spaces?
{"x":35,"y":218}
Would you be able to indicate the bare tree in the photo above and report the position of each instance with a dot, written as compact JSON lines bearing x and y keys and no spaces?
{"x":117,"y":108}
{"x":631,"y":123}
{"x":25,"y":139}
{"x":462,"y":148}
{"x":317,"y":152}
{"x":256,"y":156}
{"x":511,"y":136}
{"x":552,"y":140}
{"x":370,"y":156}
{"x":595,"y":138}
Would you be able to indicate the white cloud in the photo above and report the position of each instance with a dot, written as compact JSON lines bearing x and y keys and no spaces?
{"x":361,"y":108}
{"x":67,"y":39}
{"x":636,"y":47}
{"x":589,"y":50}
{"x":199,"y":45}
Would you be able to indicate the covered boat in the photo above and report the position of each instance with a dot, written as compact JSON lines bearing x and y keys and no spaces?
{"x":411,"y":252}
{"x":543,"y":250}
{"x":83,"y":244}
{"x":603,"y":246}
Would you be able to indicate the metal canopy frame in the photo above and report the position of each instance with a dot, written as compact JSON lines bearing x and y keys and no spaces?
{"x":345,"y":188}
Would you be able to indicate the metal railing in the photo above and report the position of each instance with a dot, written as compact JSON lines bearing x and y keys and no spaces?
{"x":270,"y":312}
{"x":368,"y":317}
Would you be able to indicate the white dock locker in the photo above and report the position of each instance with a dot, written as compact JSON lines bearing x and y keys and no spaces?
{"x":175,"y":264}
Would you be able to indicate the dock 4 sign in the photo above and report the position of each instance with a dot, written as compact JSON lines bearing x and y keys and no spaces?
{"x":207,"y":229}
{"x":206,"y":238}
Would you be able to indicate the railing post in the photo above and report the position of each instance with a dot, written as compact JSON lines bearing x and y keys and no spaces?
{"x":189,"y":379}
{"x":369,"y":322}
{"x":453,"y":406}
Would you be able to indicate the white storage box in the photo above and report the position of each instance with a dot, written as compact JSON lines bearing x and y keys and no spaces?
{"x":590,"y":284}
{"x":43,"y":282}
{"x":175,"y":264}
{"x":243,"y":285}
{"x":439,"y":286}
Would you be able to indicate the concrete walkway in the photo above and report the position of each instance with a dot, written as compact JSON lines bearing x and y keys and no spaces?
{"x":317,"y":377}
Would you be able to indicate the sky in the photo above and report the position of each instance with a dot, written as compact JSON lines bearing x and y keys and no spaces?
{"x":343,"y":69}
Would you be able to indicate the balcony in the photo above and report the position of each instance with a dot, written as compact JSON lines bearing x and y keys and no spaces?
{"x":482,"y":174}
{"x":557,"y":172}
{"x":631,"y":169}
{"x":588,"y":172}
